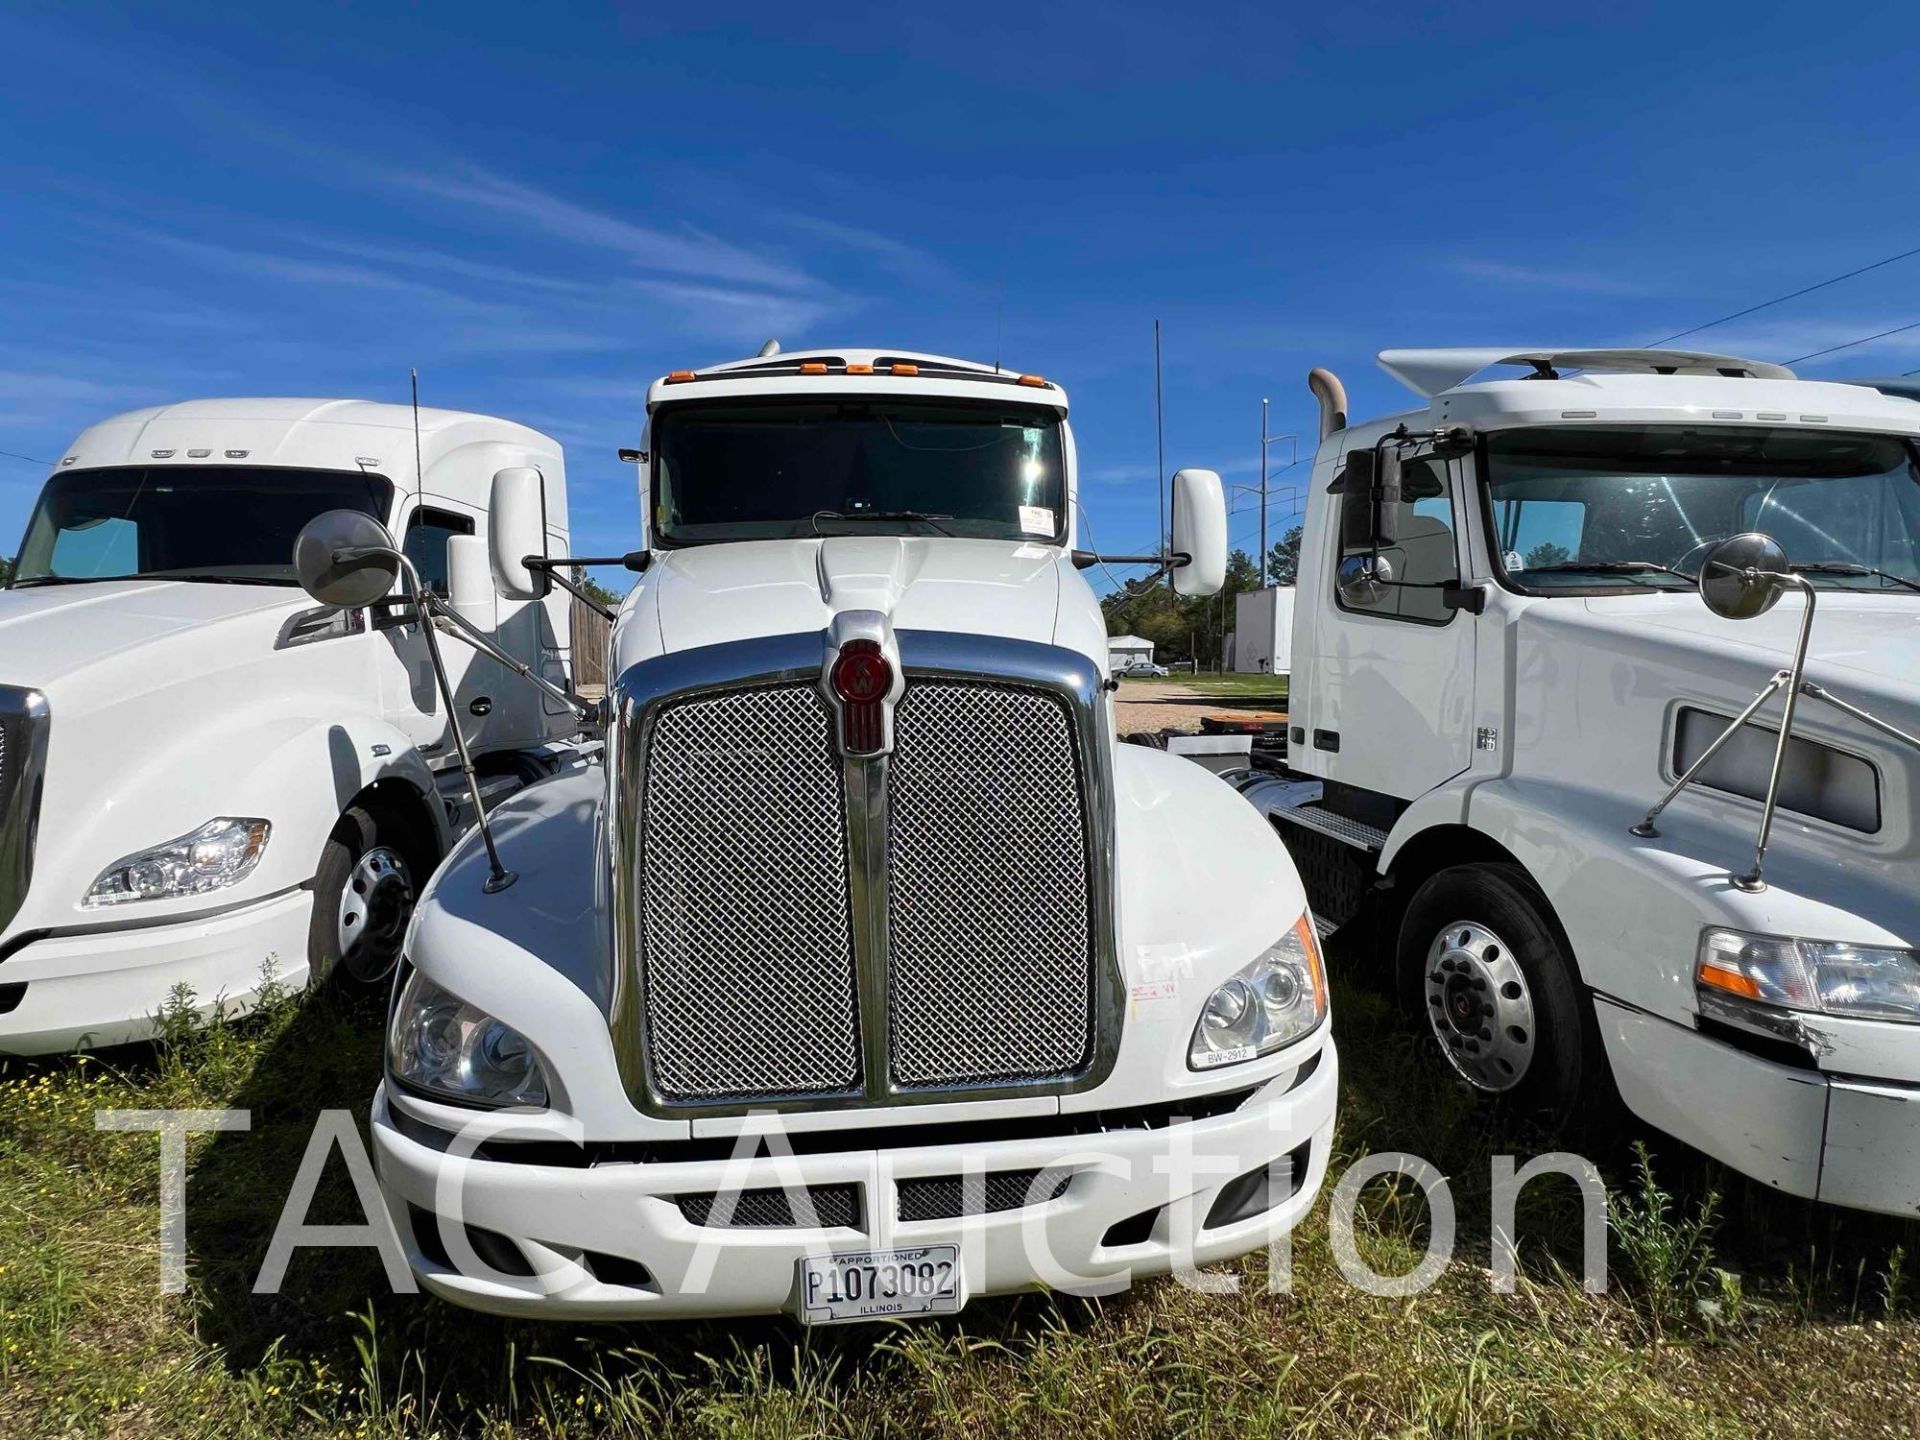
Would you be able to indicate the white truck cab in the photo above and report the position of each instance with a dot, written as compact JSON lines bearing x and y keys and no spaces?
{"x":1502,"y":662}
{"x":866,"y":868}
{"x":202,"y":773}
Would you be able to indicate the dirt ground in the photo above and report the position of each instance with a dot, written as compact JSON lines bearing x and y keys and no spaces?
{"x":1168,"y":704}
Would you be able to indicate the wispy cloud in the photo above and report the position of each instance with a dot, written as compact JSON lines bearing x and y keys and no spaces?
{"x":297,"y":269}
{"x":43,"y":388}
{"x":684,"y":251}
{"x":438,"y":262}
{"x":908,"y":262}
{"x":733,"y":314}
{"x":1527,"y":276}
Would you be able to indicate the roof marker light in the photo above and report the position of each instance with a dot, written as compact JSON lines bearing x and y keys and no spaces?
{"x":900,"y":369}
{"x":679,"y":377}
{"x":200,"y":454}
{"x":813,"y":367}
{"x":859,"y":369}
{"x":240,"y":454}
{"x":1038,"y":382}
{"x":161,"y":454}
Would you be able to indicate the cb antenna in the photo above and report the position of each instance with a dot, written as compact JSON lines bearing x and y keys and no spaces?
{"x":1160,"y":450}
{"x":419,"y":479}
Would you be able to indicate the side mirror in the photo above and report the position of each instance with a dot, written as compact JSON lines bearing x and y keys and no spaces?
{"x":1199,"y":532}
{"x":517,"y":528}
{"x":346,"y":558}
{"x":470,"y":581}
{"x":1743,"y":576}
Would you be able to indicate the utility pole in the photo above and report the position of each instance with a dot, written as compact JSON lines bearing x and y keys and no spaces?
{"x":1263,"y":492}
{"x":1293,"y":458}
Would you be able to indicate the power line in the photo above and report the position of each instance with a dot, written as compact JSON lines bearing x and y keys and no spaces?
{"x":1794,"y":295}
{"x":1863,"y":340}
{"x":44,"y":464}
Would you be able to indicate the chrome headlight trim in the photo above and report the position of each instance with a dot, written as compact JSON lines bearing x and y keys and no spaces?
{"x":1267,"y":1004}
{"x":444,"y":1048}
{"x":220,"y":854}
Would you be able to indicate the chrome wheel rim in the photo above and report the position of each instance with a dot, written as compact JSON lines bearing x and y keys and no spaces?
{"x":1479,"y":1006}
{"x":375,"y":904}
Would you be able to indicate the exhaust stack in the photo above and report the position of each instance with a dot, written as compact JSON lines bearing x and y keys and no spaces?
{"x":1332,"y":396}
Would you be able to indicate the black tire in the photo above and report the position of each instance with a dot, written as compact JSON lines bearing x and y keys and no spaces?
{"x":365,"y":952}
{"x":1443,"y":969}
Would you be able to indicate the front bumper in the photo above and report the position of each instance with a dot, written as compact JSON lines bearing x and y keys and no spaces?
{"x":576,"y":1224}
{"x":107,"y":987}
{"x":1835,"y":1138}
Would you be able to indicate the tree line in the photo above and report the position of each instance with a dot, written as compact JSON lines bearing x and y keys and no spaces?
{"x":1196,"y":628}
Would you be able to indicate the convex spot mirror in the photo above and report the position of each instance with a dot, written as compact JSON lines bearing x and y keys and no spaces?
{"x":1743,"y":576}
{"x":517,"y":528}
{"x":345,"y":558}
{"x":1199,"y":532}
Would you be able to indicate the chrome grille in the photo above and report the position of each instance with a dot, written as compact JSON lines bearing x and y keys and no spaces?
{"x":23,"y":758}
{"x":746,"y":942}
{"x":991,"y":964}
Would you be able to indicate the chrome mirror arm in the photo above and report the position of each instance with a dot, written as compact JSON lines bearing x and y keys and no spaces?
{"x":498,"y":876}
{"x":1752,"y":882}
{"x":465,"y":631}
{"x":1794,"y":682}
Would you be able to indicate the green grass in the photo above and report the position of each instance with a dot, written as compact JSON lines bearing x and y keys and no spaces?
{"x":1271,"y":689}
{"x":1733,"y":1311}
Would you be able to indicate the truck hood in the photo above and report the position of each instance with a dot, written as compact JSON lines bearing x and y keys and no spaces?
{"x":712,"y":594}
{"x":53,"y":632}
{"x":1860,"y":641}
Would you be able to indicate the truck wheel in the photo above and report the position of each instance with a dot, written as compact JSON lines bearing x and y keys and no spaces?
{"x":1503,"y":1005}
{"x":362,"y":900}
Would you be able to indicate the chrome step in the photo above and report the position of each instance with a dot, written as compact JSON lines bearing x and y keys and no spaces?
{"x":1356,"y":833}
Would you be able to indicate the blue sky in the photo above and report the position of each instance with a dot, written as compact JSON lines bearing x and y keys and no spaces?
{"x":544,"y":208}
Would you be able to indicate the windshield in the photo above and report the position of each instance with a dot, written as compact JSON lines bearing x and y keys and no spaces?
{"x":778,"y":470}
{"x":229,"y":524}
{"x":1637,"y":507}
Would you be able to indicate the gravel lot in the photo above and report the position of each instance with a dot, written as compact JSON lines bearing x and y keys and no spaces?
{"x":1167,"y":704}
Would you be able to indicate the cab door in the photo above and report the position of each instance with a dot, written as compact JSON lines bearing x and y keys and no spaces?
{"x":1392,"y":709}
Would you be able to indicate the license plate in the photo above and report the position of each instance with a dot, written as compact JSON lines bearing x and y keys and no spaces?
{"x":880,"y":1283}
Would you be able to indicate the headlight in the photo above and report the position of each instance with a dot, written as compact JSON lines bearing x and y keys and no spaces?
{"x":220,"y":853}
{"x":1272,"y":1002}
{"x":439,"y":1043}
{"x":1741,"y":976}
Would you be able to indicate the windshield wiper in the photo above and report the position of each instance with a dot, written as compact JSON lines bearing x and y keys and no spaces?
{"x":1848,"y":567}
{"x":861,"y":516}
{"x":1606,"y":567}
{"x":33,"y":580}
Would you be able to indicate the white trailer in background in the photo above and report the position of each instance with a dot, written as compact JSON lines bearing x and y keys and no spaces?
{"x":1263,"y":631}
{"x":201,"y":771}
{"x":1502,"y":664}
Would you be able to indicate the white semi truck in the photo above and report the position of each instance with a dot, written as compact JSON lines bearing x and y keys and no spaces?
{"x":865,"y":864}
{"x":204,"y":774}
{"x":1502,"y":672}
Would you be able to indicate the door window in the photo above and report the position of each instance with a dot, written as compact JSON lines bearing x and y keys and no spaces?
{"x":1423,"y":556}
{"x":426,"y":544}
